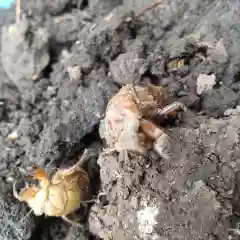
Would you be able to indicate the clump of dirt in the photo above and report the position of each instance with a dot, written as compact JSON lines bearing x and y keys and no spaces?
{"x":70,"y":57}
{"x":188,"y":197}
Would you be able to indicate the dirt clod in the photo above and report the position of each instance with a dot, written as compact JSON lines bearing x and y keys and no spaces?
{"x":172,"y":193}
{"x":24,"y":53}
{"x":205,"y":83}
{"x":128,"y":66}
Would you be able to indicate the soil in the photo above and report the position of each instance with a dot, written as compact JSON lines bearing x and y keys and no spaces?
{"x":59,"y":68}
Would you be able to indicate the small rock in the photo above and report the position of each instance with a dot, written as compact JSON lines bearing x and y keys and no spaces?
{"x":205,"y":83}
{"x":14,"y":135}
{"x":74,"y":73}
{"x":229,"y":112}
{"x":128,"y":66}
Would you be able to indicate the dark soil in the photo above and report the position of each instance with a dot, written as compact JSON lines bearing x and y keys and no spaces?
{"x":59,"y":68}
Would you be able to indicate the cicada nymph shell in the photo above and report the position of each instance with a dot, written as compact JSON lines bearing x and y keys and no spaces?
{"x":128,"y":121}
{"x":58,"y":196}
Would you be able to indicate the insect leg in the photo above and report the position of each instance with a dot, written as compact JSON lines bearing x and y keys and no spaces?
{"x":72,"y":222}
{"x":25,"y":194}
{"x":108,"y":151}
{"x":150,"y":129}
{"x":85,"y":157}
{"x":38,"y":173}
{"x":172,"y":109}
{"x":161,"y":140}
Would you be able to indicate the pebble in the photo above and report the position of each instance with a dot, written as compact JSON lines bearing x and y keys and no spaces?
{"x":205,"y":83}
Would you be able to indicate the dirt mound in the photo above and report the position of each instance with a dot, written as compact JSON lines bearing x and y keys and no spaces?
{"x":60,"y":67}
{"x":189,"y":197}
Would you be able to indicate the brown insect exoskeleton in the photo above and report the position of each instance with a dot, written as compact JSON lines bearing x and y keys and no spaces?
{"x":128,"y":124}
{"x":58,"y":196}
